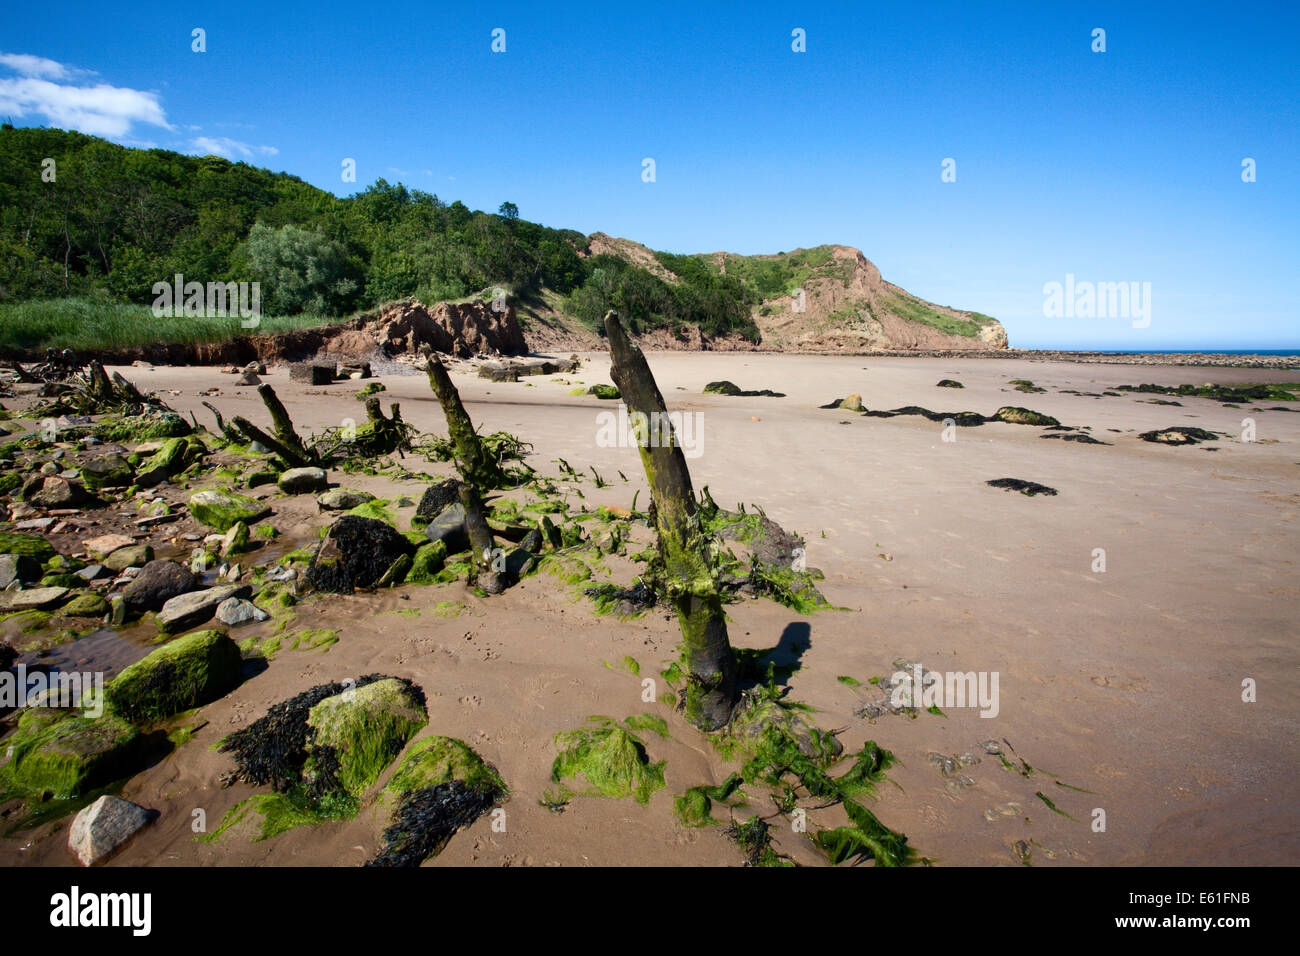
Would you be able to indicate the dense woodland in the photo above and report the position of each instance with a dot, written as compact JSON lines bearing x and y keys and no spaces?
{"x":105,"y":222}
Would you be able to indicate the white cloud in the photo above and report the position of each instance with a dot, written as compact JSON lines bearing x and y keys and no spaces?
{"x":101,"y":109}
{"x":229,"y":148}
{"x":29,"y":65}
{"x":48,"y":89}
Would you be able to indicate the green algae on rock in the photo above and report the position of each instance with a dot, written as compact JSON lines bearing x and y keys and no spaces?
{"x":610,"y":758}
{"x":54,"y":754}
{"x":222,"y":510}
{"x":440,"y":786}
{"x":1014,"y":415}
{"x":191,"y":670}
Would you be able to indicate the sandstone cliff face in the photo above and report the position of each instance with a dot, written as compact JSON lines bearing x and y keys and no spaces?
{"x":462,"y":329}
{"x":848,"y":307}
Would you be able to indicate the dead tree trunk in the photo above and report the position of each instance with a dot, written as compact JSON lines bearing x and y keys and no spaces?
{"x":486,"y":574}
{"x":291,"y":456}
{"x":690,"y":576}
{"x":472,"y":459}
{"x":281,"y":423}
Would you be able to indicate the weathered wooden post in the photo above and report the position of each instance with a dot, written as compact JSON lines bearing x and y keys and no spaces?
{"x":691,"y":579}
{"x":472,"y":460}
{"x":281,"y":422}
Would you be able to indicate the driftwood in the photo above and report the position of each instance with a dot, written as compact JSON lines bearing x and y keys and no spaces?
{"x":230,"y":433}
{"x":475,"y":465}
{"x":292,"y":457}
{"x":480,"y":541}
{"x":281,"y":423}
{"x":691,"y":580}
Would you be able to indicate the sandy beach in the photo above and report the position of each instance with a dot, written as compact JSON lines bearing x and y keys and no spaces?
{"x":1121,"y":689}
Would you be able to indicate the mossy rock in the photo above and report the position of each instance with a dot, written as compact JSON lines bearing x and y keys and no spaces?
{"x":607,"y":392}
{"x":262,"y":477}
{"x":441,"y":786}
{"x":1014,"y":415}
{"x":107,"y":471}
{"x":189,"y":671}
{"x":61,"y":580}
{"x":175,"y":455}
{"x":30,"y":545}
{"x":86,"y":605}
{"x":221,"y":510}
{"x":357,"y":734}
{"x":428,"y":561}
{"x":610,"y":758}
{"x":436,"y":760}
{"x":62,"y":757}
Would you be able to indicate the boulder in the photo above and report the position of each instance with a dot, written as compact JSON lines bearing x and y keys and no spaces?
{"x":55,"y":493}
{"x":190,"y":671}
{"x":195,"y":607}
{"x":310,"y":373}
{"x":359,"y":732}
{"x":302,"y":481}
{"x":355,"y":554}
{"x":1014,"y":415}
{"x":107,"y":471}
{"x":156,"y":584}
{"x":102,"y":828}
{"x":234,"y":612}
{"x":343,"y":499}
{"x":57,"y":755}
{"x":132,"y":556}
{"x":32,"y":599}
{"x":18,"y":567}
{"x":106,"y":544}
{"x":86,"y":605}
{"x":435,"y":500}
{"x":449,"y":528}
{"x":222,"y":509}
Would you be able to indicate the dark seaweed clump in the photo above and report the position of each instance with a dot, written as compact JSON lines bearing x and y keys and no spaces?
{"x":272,"y":749}
{"x":1029,"y":488}
{"x":1079,"y":437}
{"x":1178,"y":435}
{"x":755,"y":842}
{"x":355,"y":554}
{"x":731,"y":388}
{"x":427,"y":819}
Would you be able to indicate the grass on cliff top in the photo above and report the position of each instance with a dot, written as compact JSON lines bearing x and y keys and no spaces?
{"x":918,"y":311}
{"x":84,"y":325}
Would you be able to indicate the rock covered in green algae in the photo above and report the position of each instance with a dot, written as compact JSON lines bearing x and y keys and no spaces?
{"x":175,"y":455}
{"x":1014,"y":415}
{"x":55,"y":754}
{"x":355,"y":554}
{"x":86,"y":605}
{"x":191,"y":670}
{"x":107,"y":471}
{"x":28,"y":545}
{"x":357,"y":733}
{"x":221,"y":510}
{"x":610,"y":758}
{"x":441,"y":786}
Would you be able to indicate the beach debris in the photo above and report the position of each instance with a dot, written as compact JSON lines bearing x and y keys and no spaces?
{"x":688,"y":574}
{"x":1030,"y":488}
{"x":1025,"y":385}
{"x":949,"y":383}
{"x":1081,"y":437}
{"x":1239,"y":393}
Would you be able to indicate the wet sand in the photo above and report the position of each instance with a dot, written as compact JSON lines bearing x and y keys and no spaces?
{"x":1125,"y":684}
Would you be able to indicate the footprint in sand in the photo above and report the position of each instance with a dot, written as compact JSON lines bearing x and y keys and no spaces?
{"x":471,"y":701}
{"x":1137,"y":683}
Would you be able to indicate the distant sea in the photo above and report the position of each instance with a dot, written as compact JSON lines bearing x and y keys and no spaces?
{"x":1179,"y":351}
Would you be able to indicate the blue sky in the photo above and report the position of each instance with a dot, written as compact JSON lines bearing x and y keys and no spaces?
{"x":1122,"y":166}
